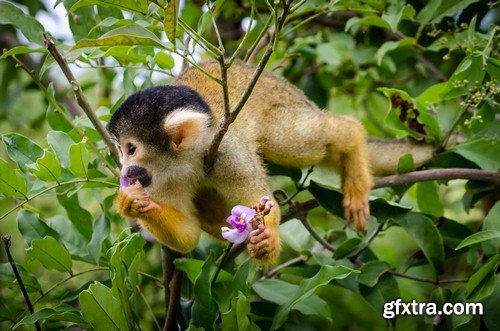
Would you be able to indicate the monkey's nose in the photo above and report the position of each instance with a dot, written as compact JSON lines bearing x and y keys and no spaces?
{"x":135,"y":173}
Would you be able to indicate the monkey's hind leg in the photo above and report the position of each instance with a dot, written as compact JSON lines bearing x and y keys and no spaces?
{"x":346,"y":151}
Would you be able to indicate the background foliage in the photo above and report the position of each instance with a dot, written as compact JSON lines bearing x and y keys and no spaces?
{"x":405,"y":68}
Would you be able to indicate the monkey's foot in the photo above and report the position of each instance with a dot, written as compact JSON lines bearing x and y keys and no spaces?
{"x":264,"y":245}
{"x":356,"y":209}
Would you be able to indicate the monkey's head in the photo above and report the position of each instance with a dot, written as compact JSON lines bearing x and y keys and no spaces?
{"x":162,"y":133}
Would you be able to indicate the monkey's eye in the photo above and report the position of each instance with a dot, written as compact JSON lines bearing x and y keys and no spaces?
{"x":131,"y":149}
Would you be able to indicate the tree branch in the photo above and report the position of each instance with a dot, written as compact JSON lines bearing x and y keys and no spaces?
{"x":298,"y":209}
{"x":172,"y":280}
{"x":438,"y":174}
{"x":7,"y":242}
{"x":275,"y":270}
{"x":81,"y":99}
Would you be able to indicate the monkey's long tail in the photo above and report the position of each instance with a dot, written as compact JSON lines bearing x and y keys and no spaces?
{"x":384,"y":154}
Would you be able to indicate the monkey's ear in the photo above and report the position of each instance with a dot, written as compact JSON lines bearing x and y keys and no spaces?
{"x":184,"y":127}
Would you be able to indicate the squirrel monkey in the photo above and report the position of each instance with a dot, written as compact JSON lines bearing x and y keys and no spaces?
{"x":163,"y":133}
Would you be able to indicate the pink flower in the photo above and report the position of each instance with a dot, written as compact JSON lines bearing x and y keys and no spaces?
{"x":240,"y":221}
{"x":124,"y":182}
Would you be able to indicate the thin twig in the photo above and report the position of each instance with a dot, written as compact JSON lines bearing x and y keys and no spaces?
{"x":7,"y":242}
{"x":221,"y":263}
{"x":82,"y":99}
{"x":368,"y":240}
{"x":227,"y":120}
{"x":316,"y":235}
{"x":76,"y":181}
{"x":428,"y":280}
{"x":275,"y":270}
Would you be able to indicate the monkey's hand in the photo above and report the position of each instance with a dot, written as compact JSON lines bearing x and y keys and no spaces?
{"x":264,"y":244}
{"x":134,"y":201}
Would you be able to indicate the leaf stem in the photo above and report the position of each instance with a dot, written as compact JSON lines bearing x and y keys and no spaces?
{"x":76,"y":181}
{"x":429,"y":280}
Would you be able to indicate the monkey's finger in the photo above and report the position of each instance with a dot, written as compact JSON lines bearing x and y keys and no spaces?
{"x":150,"y":206}
{"x":261,"y":236}
{"x":254,"y":233}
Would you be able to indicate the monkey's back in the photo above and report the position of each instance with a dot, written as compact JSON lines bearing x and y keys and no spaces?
{"x":269,"y":94}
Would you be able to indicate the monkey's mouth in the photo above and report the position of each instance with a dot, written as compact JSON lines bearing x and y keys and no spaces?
{"x":136,"y":173}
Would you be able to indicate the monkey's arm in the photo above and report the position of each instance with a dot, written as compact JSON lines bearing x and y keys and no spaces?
{"x":172,"y":228}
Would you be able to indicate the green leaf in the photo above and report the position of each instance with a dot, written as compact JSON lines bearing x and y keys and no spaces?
{"x":437,"y":10}
{"x":369,"y":20}
{"x":331,"y":199}
{"x":129,"y":35}
{"x":102,"y":309}
{"x":8,"y":279}
{"x":51,"y":254}
{"x":393,"y":19}
{"x":370,"y":272}
{"x":428,"y":199}
{"x":204,"y":311}
{"x":385,"y":290}
{"x":55,"y":117}
{"x":193,"y":267}
{"x":79,"y":159}
{"x":491,"y":304}
{"x":405,"y":113}
{"x":46,"y":168}
{"x":100,"y":233}
{"x":60,"y":143}
{"x":12,"y":182}
{"x":71,"y":238}
{"x":21,"y":50}
{"x":164,"y":60}
{"x":348,"y":247}
{"x":80,"y":217}
{"x":307,"y":288}
{"x":138,"y":6}
{"x":22,"y":150}
{"x":390,"y":46}
{"x":479,"y":237}
{"x":406,"y":164}
{"x":237,"y":318}
{"x":482,"y":283}
{"x":427,"y":237}
{"x":32,"y":227}
{"x":483,"y":151}
{"x":491,"y":223}
{"x":170,"y":21}
{"x":28,"y":25}
{"x":280,"y":292}
{"x":295,"y":235}
{"x":279,"y":170}
{"x":63,"y":312}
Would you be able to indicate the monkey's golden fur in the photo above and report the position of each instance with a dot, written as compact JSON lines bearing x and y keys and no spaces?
{"x":278,"y":123}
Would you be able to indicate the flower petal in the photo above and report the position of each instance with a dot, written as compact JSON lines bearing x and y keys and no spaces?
{"x":234,"y":235}
{"x":124,"y":182}
{"x":239,"y":209}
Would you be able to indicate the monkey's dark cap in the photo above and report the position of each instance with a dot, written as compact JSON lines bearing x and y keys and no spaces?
{"x":141,"y":114}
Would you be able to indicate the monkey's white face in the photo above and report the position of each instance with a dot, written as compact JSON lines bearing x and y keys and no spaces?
{"x":156,"y":169}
